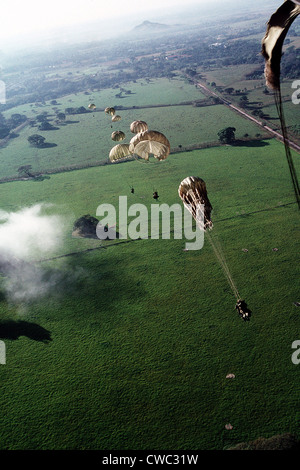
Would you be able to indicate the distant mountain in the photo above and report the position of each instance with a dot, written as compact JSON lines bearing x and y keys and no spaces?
{"x":149,"y":26}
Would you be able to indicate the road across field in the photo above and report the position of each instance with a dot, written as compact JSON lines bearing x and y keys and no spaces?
{"x":248,"y":116}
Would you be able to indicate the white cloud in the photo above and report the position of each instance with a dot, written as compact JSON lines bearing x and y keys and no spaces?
{"x":25,"y":237}
{"x":29,"y":233}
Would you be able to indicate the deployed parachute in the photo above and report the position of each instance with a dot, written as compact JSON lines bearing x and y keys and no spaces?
{"x":138,"y":126}
{"x":92,"y":106}
{"x":192,"y":192}
{"x":118,"y":152}
{"x":272,"y":44}
{"x":110,"y":111}
{"x":117,"y":136}
{"x":116,"y":118}
{"x":150,"y":142}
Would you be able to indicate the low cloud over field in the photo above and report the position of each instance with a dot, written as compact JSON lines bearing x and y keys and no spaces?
{"x":27,"y":236}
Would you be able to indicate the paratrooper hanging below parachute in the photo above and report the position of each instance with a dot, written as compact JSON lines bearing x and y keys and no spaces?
{"x":192,"y":191}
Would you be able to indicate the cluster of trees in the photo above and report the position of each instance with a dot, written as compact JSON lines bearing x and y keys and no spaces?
{"x":227,"y":135}
{"x":80,"y":110}
{"x":25,"y":171}
{"x":7,"y":126}
{"x":36,"y":140}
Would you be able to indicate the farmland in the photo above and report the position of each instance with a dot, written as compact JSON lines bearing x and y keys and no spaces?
{"x":135,"y":327}
{"x":86,"y":138}
{"x":126,"y":344}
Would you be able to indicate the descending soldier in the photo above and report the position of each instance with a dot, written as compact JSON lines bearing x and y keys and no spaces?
{"x":243,"y":311}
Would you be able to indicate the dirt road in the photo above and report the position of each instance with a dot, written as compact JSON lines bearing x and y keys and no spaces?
{"x":276,"y":134}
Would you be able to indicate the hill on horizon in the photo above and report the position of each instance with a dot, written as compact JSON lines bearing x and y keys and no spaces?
{"x":150,"y":26}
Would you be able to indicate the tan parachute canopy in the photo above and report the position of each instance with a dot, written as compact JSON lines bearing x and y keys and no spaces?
{"x":118,"y":152}
{"x":192,"y":191}
{"x":110,"y":111}
{"x":116,"y":118}
{"x":118,"y":135}
{"x":138,"y":126}
{"x":92,"y":106}
{"x":272,"y":43}
{"x":150,"y":142}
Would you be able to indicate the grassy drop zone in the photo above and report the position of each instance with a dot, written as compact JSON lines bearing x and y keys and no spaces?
{"x":141,"y":335}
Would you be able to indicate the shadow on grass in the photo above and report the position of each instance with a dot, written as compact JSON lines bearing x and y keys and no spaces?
{"x":250,"y":143}
{"x":47,"y":145}
{"x":65,"y":123}
{"x":10,"y":329}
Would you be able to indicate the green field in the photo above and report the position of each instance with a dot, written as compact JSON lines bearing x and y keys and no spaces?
{"x":143,"y":333}
{"x":143,"y":93}
{"x":232,"y":76}
{"x":86,"y":138}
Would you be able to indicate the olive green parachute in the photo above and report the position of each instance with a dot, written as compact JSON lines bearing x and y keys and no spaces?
{"x":272,"y":43}
{"x":118,"y":152}
{"x":192,"y":191}
{"x":116,"y":118}
{"x":110,"y":111}
{"x":150,"y":142}
{"x":92,"y":106}
{"x":117,"y":136}
{"x":138,"y":126}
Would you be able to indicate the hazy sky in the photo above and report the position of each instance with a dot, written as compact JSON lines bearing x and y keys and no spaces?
{"x":28,"y":16}
{"x":22,"y":20}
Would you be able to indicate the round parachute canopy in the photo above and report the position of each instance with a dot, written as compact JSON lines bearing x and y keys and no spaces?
{"x":117,"y":136}
{"x":118,"y":152}
{"x":92,"y":106}
{"x":110,"y":111}
{"x":138,"y":126}
{"x":192,"y":192}
{"x":116,"y":118}
{"x":150,"y":142}
{"x":272,"y":43}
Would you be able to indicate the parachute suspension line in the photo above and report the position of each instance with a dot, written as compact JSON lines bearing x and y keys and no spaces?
{"x":216,"y":246}
{"x":278,"y":102}
{"x":220,"y":256}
